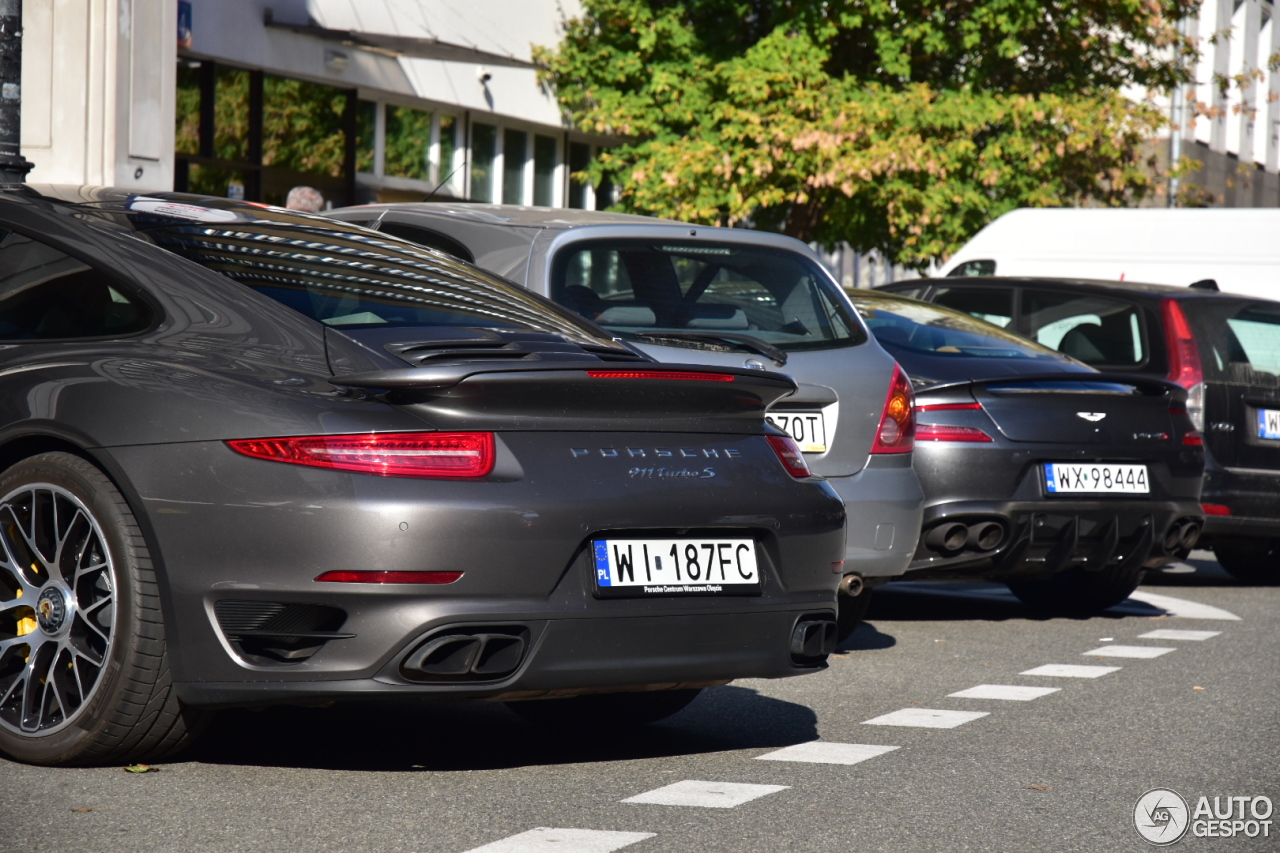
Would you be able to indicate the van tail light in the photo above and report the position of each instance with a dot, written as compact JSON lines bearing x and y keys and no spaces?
{"x":934,"y":432}
{"x":1184,"y":359}
{"x":897,"y":429}
{"x":789,"y":455}
{"x":437,"y":455}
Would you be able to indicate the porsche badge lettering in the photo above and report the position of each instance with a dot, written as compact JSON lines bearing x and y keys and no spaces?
{"x":658,"y":452}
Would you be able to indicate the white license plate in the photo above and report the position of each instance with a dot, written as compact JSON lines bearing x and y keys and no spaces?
{"x":1095,"y":478}
{"x":809,"y":429}
{"x":1268,"y":423}
{"x":642,"y":567}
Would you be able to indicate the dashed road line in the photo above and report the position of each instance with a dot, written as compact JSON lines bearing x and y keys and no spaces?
{"x":1004,"y":691}
{"x":1183,"y":608}
{"x":826,"y":752}
{"x":926,"y":718}
{"x":707,"y":795}
{"x":1117,"y":651}
{"x":1070,"y":670}
{"x":1178,"y":634}
{"x":546,"y":839}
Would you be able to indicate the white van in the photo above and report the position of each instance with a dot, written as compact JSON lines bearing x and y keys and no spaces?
{"x":1237,"y":247}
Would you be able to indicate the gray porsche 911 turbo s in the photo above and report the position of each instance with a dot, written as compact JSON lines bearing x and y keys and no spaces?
{"x":249,"y":456}
{"x":1039,"y":471}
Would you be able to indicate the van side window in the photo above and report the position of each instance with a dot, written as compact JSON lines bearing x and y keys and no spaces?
{"x":46,"y":294}
{"x":993,"y":304}
{"x":1094,"y":329}
{"x":983,"y":267}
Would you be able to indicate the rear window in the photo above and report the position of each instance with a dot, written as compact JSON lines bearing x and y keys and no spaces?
{"x":347,"y":278}
{"x":704,"y":294}
{"x":1097,"y":330}
{"x":920,"y":327}
{"x":1243,"y":343}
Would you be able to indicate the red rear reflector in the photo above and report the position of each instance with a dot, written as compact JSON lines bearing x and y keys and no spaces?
{"x":389,"y":577}
{"x":789,"y":455}
{"x":934,"y":432}
{"x":896,"y":433}
{"x":1193,"y":439}
{"x":948,"y":407}
{"x":1215,"y":509}
{"x":838,"y":567}
{"x":687,"y":375}
{"x":451,"y":455}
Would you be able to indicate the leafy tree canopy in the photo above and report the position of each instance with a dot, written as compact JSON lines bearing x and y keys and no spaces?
{"x":902,"y":125}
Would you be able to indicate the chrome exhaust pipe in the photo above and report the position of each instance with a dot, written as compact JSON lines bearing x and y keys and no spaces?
{"x":985,"y":535}
{"x":852,"y":586}
{"x":1189,"y":535}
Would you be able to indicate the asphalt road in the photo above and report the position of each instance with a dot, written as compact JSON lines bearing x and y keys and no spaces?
{"x":1061,"y":771}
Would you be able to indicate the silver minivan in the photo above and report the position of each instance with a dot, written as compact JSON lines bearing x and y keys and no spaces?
{"x":719,"y":296}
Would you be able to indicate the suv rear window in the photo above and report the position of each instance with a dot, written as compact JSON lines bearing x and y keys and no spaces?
{"x":698,"y":292}
{"x":1097,"y":330}
{"x":1242,"y":343}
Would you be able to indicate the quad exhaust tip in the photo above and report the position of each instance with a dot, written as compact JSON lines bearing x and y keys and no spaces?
{"x":468,"y":656}
{"x":953,"y":537}
{"x":1183,"y":534}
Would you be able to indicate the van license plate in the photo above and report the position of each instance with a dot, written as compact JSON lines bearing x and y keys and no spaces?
{"x":1096,"y":478}
{"x":809,"y":429}
{"x":644,"y":567}
{"x":1269,"y":423}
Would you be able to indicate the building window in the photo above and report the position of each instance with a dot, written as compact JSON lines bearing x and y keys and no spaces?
{"x":579,"y":189}
{"x":484,"y":150}
{"x":448,"y":153}
{"x":366,"y":135}
{"x":514,"y":152}
{"x":408,"y":135}
{"x":544,"y":170}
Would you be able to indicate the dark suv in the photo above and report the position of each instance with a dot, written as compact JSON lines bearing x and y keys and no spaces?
{"x":1223,"y":348}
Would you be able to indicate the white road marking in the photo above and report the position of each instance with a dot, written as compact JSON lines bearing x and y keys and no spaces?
{"x":545,"y":839}
{"x":926,"y":718}
{"x":822,"y":752}
{"x":1070,"y":670}
{"x":1004,"y":691}
{"x":1130,"y":651}
{"x":1181,"y":607}
{"x":708,"y":795}
{"x":1178,"y":634}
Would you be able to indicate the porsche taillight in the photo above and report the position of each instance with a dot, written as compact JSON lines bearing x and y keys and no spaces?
{"x":436,"y":455}
{"x":896,"y":432}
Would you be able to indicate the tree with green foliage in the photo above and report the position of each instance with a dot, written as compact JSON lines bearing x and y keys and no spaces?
{"x":898,"y":125}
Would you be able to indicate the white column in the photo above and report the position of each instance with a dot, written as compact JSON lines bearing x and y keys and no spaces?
{"x":1221,"y":69}
{"x":526,"y":172}
{"x":435,"y":169}
{"x":1250,"y":102}
{"x":498,"y":169}
{"x":1273,"y":98}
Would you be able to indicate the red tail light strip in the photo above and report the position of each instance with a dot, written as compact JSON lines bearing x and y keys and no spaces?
{"x":687,"y":375}
{"x":435,"y":455}
{"x":948,"y":407}
{"x":1193,"y":439}
{"x":388,"y":577}
{"x":933,"y":432}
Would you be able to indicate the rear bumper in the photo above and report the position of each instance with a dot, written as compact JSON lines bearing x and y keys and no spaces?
{"x":1046,"y":537}
{"x":883,"y":509}
{"x":1251,"y":496}
{"x":567,"y":656}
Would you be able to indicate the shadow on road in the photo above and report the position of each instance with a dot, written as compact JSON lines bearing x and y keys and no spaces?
{"x":487,"y":736}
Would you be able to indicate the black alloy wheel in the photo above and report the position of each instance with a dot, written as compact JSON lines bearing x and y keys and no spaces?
{"x":1255,"y":560}
{"x":620,"y":709}
{"x":83,"y":671}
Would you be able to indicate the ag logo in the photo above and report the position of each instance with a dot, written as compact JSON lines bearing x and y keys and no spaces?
{"x":1161,"y":816}
{"x":1091,"y":416}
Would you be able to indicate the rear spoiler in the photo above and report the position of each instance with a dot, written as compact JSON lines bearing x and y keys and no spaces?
{"x":1148,"y":385}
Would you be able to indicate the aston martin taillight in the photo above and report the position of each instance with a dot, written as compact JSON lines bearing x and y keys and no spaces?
{"x":936,"y":432}
{"x":448,"y":455}
{"x":896,"y":432}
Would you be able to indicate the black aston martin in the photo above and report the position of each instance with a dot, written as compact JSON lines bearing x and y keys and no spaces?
{"x":249,"y":456}
{"x":1037,"y":470}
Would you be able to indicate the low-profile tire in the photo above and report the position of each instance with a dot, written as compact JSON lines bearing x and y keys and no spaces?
{"x":1076,"y":592}
{"x":84,"y":677}
{"x":1252,"y":560}
{"x":619,"y":709}
{"x":851,"y":610}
